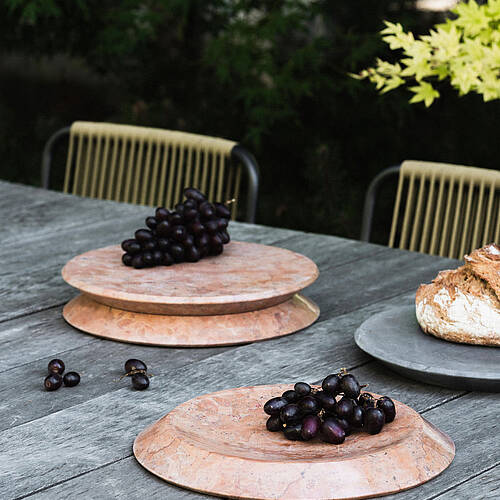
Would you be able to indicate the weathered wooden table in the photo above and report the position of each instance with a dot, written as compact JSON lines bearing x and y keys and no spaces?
{"x":77,"y":443}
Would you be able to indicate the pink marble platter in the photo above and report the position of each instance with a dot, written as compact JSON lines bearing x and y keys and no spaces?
{"x":246,"y":277}
{"x":218,"y":444}
{"x":190,"y":331}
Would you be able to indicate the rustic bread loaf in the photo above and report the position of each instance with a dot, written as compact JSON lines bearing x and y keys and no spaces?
{"x":463,"y":305}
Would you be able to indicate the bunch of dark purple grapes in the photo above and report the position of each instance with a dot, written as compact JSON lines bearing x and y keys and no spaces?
{"x":195,"y":229}
{"x":332,"y":412}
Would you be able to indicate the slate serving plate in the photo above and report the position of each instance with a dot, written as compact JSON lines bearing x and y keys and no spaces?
{"x":395,"y":338}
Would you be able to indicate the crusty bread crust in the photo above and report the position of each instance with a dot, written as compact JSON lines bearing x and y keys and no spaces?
{"x":485,"y":263}
{"x":463,"y":305}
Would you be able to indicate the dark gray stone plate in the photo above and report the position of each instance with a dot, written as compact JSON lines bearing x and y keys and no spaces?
{"x":394,"y":337}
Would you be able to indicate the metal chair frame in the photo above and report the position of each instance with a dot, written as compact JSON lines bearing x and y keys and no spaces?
{"x":449,"y":209}
{"x":238,"y":155}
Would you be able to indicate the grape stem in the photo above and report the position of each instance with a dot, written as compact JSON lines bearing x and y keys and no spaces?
{"x":133,"y":372}
{"x":230,"y":202}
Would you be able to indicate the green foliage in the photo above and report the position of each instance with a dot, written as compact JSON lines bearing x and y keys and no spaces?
{"x":269,"y":73}
{"x":465,"y":50}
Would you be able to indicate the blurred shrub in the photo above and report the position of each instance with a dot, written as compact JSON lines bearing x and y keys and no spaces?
{"x":272,"y":74}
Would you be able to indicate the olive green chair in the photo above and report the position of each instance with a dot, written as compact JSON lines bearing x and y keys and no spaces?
{"x":440,"y":209}
{"x":151,"y":166}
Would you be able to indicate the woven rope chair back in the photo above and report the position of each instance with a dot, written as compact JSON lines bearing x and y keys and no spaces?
{"x":449,"y":209}
{"x":148,"y":166}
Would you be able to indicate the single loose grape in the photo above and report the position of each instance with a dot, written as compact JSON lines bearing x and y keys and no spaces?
{"x":310,"y":427}
{"x":222,"y":211}
{"x":143,"y":235}
{"x":326,"y":400}
{"x":350,"y":386}
{"x":374,"y":420}
{"x":293,"y":432}
{"x":344,"y":408}
{"x":331,"y":384}
{"x":71,"y":379}
{"x":274,"y":406}
{"x":56,"y":366}
{"x":357,"y":417}
{"x":147,"y":258}
{"x":387,"y":406}
{"x":167,"y":259}
{"x":302,"y":388}
{"x":290,"y":413}
{"x":137,"y":262}
{"x":161,"y":213}
{"x":366,"y":400}
{"x":309,"y":404}
{"x":126,"y":243}
{"x":140,"y":381}
{"x":163,"y":228}
{"x":134,"y":364}
{"x":151,"y":222}
{"x":194,"y":194}
{"x":291,"y":396}
{"x":274,"y":424}
{"x":332,"y":432}
{"x":52,"y":382}
{"x":224,"y":236}
{"x":127,"y":259}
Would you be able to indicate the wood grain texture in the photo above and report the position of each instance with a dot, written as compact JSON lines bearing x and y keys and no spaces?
{"x":77,"y":442}
{"x":485,"y":486}
{"x":124,"y":479}
{"x":476,"y":448}
{"x":33,"y":253}
{"x":218,"y":444}
{"x":116,"y":417}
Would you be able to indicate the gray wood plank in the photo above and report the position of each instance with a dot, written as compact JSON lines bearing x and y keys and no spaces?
{"x":26,"y":348}
{"x":471,"y":421}
{"x":37,"y":336}
{"x":30,"y":277}
{"x":485,"y":486}
{"x":421,"y":397}
{"x":471,"y":460}
{"x":125,"y":479}
{"x":100,"y":364}
{"x":383,"y":274}
{"x":101,"y":430}
{"x":63,"y":444}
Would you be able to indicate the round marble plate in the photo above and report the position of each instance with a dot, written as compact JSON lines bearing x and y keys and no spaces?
{"x":395,"y":338}
{"x":190,"y":331}
{"x":246,"y":277}
{"x":218,"y":444}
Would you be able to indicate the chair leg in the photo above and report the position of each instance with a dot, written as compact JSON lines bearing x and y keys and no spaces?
{"x":47,"y":155}
{"x":250,"y":163}
{"x":370,"y":198}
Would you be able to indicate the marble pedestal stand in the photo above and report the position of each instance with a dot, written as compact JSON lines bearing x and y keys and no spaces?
{"x":248,"y":293}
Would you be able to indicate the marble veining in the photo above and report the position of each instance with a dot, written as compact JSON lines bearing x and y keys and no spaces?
{"x":247,"y":276}
{"x":218,"y":444}
{"x":190,"y":331}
